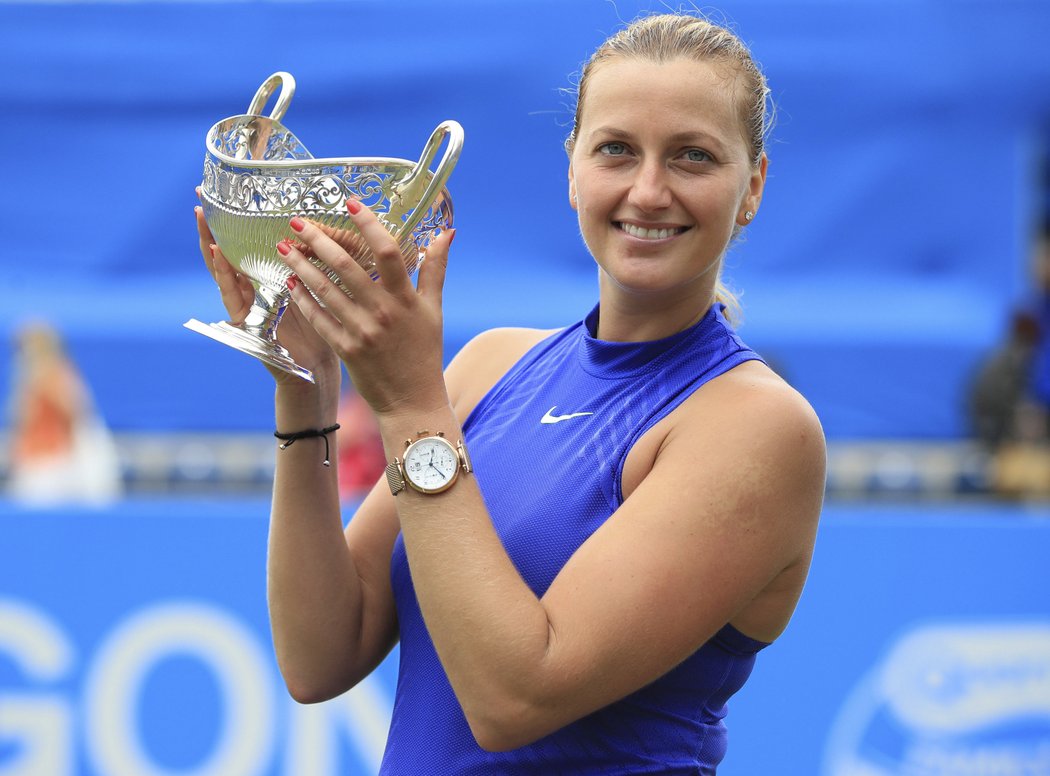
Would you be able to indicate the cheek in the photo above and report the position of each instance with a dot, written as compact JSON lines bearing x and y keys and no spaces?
{"x":724,"y":200}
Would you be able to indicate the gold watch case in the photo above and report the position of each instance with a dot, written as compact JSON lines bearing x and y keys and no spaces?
{"x":430,"y":464}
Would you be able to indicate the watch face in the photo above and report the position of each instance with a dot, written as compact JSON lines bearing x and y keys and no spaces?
{"x":431,"y":465}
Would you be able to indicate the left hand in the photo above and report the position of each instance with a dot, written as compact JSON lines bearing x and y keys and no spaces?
{"x":389,"y":335}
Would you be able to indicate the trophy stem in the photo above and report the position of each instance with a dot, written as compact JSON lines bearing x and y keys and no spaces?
{"x":265,"y":313}
{"x":257,"y":334}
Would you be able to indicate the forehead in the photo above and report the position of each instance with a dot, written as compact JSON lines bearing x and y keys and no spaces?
{"x":682,"y":95}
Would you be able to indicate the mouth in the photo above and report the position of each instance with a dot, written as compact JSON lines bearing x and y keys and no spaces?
{"x":647,"y":233}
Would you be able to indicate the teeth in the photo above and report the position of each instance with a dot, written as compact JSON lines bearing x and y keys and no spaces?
{"x":648,"y":234}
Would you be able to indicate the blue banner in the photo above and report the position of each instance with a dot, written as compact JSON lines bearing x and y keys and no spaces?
{"x":134,"y":642}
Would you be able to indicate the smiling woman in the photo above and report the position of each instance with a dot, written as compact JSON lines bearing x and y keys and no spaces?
{"x":733,"y":72}
{"x":661,"y":177}
{"x":584,"y":591}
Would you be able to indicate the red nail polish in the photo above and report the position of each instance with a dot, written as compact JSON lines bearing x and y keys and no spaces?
{"x":284,"y":248}
{"x":292,"y":282}
{"x":354,"y":206}
{"x":297,"y":224}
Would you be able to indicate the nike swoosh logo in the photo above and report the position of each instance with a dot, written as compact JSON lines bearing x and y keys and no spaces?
{"x":550,"y":417}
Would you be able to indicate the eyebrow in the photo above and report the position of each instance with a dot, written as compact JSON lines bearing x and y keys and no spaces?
{"x":677,"y":137}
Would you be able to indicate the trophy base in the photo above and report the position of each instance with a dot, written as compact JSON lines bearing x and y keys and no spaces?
{"x":246,"y":342}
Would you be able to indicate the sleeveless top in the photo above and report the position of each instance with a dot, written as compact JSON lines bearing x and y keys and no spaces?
{"x":568,"y":413}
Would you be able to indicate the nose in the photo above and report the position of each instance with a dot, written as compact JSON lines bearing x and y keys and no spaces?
{"x":650,"y":189}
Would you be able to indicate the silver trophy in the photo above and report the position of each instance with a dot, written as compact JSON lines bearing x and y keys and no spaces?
{"x":257,"y":176}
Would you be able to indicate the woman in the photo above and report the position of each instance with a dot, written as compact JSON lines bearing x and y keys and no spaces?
{"x":640,"y":514}
{"x":61,"y":450}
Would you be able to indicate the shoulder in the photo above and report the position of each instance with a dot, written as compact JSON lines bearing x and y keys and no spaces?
{"x":767,"y":436}
{"x":746,"y":435}
{"x":484,"y":360}
{"x":752,"y":406}
{"x":743,"y":462}
{"x":756,"y":388}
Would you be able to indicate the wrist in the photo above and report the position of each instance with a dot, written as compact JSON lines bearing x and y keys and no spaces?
{"x":305,"y":405}
{"x":396,"y":428}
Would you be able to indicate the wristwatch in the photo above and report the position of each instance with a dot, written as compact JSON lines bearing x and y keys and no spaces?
{"x":431,"y":464}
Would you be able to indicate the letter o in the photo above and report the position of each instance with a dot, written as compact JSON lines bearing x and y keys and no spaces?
{"x":123,"y":662}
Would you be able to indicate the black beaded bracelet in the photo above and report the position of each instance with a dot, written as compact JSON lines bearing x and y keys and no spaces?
{"x":288,"y":439}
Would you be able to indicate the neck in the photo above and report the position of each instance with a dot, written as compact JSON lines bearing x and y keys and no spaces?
{"x":619,"y":322}
{"x":634,"y":317}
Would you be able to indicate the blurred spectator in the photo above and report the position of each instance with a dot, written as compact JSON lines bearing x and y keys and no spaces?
{"x":1001,"y":392}
{"x":1040,"y":307}
{"x":361,"y":455}
{"x":1010,"y":399}
{"x":61,"y":451}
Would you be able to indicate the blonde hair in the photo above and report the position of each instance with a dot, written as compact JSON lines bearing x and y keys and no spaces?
{"x":662,"y":38}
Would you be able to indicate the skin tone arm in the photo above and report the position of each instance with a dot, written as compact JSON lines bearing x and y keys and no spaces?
{"x":331,"y":610}
{"x":724,"y":513}
{"x":332,"y":616}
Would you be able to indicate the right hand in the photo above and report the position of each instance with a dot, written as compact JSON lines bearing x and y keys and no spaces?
{"x":294,"y":332}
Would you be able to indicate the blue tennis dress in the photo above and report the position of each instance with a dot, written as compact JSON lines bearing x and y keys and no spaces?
{"x":567,"y":414}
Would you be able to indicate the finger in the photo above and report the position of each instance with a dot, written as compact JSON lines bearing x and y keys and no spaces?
{"x":432,"y":272}
{"x":315,"y":279}
{"x":320,"y":318}
{"x":390,"y":263}
{"x":237,"y":291}
{"x":206,"y":238}
{"x":331,"y":254}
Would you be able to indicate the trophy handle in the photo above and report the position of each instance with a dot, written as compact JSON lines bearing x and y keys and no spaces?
{"x":258,"y":102}
{"x":454,"y":132}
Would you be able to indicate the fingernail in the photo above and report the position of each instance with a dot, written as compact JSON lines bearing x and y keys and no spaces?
{"x":451,"y":236}
{"x":284,"y":248}
{"x":198,"y":209}
{"x":354,"y":206}
{"x":292,"y":282}
{"x":213,"y":247}
{"x":297,"y":224}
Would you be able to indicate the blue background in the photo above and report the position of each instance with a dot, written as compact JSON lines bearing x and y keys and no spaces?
{"x":891,"y":246}
{"x":889,"y":250}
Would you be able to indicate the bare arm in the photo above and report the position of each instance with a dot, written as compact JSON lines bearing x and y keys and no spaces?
{"x":330,"y":610}
{"x":331,"y":604}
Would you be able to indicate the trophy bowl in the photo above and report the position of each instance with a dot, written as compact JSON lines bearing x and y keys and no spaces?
{"x":258,"y":175}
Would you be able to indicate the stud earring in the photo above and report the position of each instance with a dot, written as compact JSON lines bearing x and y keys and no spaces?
{"x":748,"y":215}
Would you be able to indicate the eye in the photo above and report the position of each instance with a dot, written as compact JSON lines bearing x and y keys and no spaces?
{"x":612,"y":149}
{"x":697,"y":155}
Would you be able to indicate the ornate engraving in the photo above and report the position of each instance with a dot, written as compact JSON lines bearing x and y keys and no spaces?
{"x":258,"y":175}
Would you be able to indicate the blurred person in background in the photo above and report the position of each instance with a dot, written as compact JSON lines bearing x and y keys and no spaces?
{"x":640,"y":514}
{"x":61,"y":451}
{"x":1040,"y":310}
{"x":1010,"y":397}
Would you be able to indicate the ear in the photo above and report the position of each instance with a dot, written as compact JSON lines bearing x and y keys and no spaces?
{"x":756,"y":185}
{"x":572,"y":188}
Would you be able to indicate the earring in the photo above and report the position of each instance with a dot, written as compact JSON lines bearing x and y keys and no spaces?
{"x":748,"y":215}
